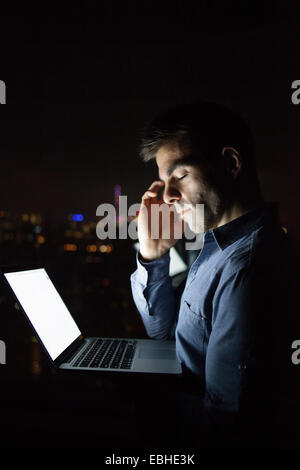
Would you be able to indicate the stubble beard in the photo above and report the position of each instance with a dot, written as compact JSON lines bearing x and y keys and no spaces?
{"x":214,"y":207}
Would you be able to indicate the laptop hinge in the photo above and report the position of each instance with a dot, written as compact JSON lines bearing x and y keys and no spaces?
{"x":67,"y":353}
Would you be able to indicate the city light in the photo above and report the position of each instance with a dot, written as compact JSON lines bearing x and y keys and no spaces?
{"x":70,"y":247}
{"x":105,"y":248}
{"x":77,"y":217}
{"x":76,"y":238}
{"x":86,"y":229}
{"x":78,"y":234}
{"x":91,"y":248}
{"x":32,"y":218}
{"x":40,"y":239}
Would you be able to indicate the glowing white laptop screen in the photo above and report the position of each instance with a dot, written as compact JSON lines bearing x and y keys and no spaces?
{"x":45,"y":309}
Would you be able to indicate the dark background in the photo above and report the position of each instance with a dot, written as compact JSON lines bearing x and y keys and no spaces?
{"x":82,"y":80}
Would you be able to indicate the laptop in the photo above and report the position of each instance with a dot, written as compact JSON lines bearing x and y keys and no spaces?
{"x":68,"y":348}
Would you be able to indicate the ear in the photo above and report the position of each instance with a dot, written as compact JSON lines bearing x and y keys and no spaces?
{"x":232,"y":160}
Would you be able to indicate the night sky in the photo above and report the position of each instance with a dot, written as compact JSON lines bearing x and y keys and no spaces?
{"x":82,"y":81}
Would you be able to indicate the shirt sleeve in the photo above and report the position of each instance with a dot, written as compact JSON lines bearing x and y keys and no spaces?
{"x":154,"y":297}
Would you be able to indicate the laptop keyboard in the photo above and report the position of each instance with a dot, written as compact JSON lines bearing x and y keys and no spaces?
{"x":108,"y":354}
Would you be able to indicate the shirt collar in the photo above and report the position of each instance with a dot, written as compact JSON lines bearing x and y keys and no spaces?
{"x":228,"y":233}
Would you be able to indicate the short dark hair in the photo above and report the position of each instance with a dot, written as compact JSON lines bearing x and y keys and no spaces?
{"x":202,"y":128}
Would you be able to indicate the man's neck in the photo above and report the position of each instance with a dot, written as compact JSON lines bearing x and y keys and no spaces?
{"x":237,"y":209}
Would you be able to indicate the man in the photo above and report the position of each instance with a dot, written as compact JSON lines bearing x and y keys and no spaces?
{"x":227,"y":325}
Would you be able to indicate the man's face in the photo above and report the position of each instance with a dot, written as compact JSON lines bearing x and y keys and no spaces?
{"x":187,"y":185}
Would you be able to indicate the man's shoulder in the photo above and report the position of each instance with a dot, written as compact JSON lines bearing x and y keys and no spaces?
{"x":261,"y":248}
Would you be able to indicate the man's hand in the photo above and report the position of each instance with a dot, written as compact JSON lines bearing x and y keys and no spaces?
{"x":166,"y":229}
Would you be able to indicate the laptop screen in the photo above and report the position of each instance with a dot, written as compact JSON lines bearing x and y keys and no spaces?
{"x":45,"y":309}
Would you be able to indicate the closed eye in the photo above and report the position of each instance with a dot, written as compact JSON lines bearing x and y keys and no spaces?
{"x":181,"y":178}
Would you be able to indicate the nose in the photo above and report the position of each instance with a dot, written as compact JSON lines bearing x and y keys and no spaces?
{"x":171,"y":194}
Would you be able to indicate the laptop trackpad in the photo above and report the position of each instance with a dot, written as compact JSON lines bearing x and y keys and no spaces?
{"x":148,"y":353}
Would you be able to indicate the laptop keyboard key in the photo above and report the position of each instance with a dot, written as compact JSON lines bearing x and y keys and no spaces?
{"x":107,"y":354}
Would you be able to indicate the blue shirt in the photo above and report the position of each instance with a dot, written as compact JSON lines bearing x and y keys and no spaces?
{"x":226,"y":314}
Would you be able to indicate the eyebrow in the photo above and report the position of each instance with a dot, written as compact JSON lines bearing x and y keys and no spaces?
{"x":186,"y":161}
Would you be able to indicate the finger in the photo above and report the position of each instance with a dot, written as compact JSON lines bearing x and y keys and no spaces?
{"x":149,"y":195}
{"x":152,"y":192}
{"x":156,"y":185}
